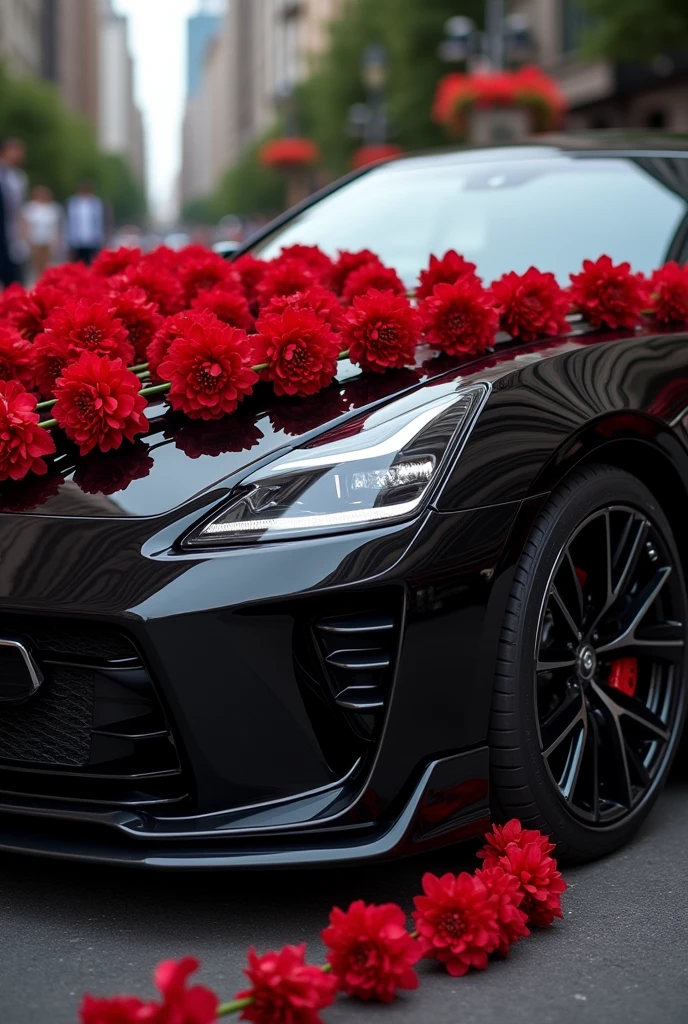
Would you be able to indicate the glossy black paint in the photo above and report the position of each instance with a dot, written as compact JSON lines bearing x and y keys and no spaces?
{"x":273,"y":773}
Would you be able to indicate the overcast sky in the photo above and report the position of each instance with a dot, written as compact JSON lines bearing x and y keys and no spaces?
{"x":157,"y":40}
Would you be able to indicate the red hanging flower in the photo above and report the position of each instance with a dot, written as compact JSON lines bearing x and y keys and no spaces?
{"x":608,"y":295}
{"x":50,"y":354}
{"x":669,"y":294}
{"x":539,"y":880}
{"x":139,"y":317}
{"x":505,"y":892}
{"x":117,"y":1010}
{"x":209,"y":368}
{"x":289,"y":152}
{"x":16,"y":357}
{"x":381,"y":331}
{"x":347,"y":262}
{"x":460,"y":318}
{"x":110,"y":262}
{"x":372,"y":275}
{"x":320,"y":300}
{"x":285,"y":989}
{"x":319,"y":262}
{"x":375,"y":153}
{"x":447,"y":269}
{"x":501,"y":836}
{"x":98,"y":404}
{"x":457,"y":921}
{"x":284,"y":277}
{"x":531,"y":305}
{"x":300,"y":350}
{"x":23,"y":444}
{"x":205,"y":270}
{"x":228,"y":304}
{"x":371,"y":952}
{"x":90,"y":327}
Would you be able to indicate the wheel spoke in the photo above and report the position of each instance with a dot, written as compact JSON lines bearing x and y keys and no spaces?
{"x":558,"y":659}
{"x":620,"y":761}
{"x":566,"y":614}
{"x":577,"y":589}
{"x":631,"y":563}
{"x":569,"y":779}
{"x":594,"y":734}
{"x":639,"y":768}
{"x":639,"y":609}
{"x":559,"y":724}
{"x":620,"y":705}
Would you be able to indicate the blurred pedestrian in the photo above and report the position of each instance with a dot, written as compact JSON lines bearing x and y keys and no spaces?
{"x":85,"y":224}
{"x":12,"y":194}
{"x":42,"y":228}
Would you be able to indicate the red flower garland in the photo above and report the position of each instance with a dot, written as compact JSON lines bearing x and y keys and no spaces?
{"x":608,"y":294}
{"x":531,"y":305}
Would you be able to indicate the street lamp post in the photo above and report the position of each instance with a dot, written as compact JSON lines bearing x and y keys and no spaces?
{"x":368,"y":121}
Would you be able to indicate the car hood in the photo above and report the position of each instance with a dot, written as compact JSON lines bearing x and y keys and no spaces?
{"x":181,"y":461}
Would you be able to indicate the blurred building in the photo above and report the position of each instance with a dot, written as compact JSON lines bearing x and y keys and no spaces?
{"x":263,"y":48}
{"x":201,"y":30}
{"x":70,"y":48}
{"x":603,"y":94}
{"x":120,"y":125}
{"x":21,"y":37}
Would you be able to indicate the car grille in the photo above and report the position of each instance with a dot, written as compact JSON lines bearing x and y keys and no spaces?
{"x":95,"y":731}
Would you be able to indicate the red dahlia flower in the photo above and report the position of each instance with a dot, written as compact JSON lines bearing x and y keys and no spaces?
{"x":74,"y":279}
{"x":29,"y":310}
{"x":445,"y":270}
{"x":117,"y":1010}
{"x":347,"y":262}
{"x":501,"y":836}
{"x":608,"y":295}
{"x":10,"y":299}
{"x":372,"y":275}
{"x":205,"y":270}
{"x":285,"y":989}
{"x":460,"y":317}
{"x":139,"y":317}
{"x":531,"y":305}
{"x":504,"y":891}
{"x":284,"y":277}
{"x":228,"y":304}
{"x":180,"y":1004}
{"x":381,"y":331}
{"x":90,"y":327}
{"x":50,"y":354}
{"x":539,"y":880}
{"x":172,"y":328}
{"x":251,"y":272}
{"x":98,"y":403}
{"x":300,"y":350}
{"x":23,"y":444}
{"x":209,"y":368}
{"x":319,"y":262}
{"x":16,"y":358}
{"x":669,"y":294}
{"x":457,"y":921}
{"x":372,"y":954}
{"x":110,"y":262}
{"x":160,"y":284}
{"x":320,"y":300}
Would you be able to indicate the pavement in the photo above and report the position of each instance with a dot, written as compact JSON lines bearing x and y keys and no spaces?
{"x":619,"y":955}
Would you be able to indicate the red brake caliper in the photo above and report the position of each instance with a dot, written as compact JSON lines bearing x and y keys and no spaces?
{"x":624,"y":675}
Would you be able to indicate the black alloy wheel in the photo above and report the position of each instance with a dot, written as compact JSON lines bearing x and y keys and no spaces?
{"x":590,"y":689}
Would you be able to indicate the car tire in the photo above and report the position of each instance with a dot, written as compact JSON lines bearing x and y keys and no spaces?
{"x":611,"y":749}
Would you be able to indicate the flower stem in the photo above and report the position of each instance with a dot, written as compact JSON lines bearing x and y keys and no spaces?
{"x":224,"y":1009}
{"x":47,"y":404}
{"x":47,"y":424}
{"x":156,"y":389}
{"x":141,"y":366}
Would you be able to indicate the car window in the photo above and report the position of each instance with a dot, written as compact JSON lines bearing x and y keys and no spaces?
{"x":507,"y":215}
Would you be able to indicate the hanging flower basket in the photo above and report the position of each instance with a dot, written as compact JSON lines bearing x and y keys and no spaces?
{"x":529,"y":88}
{"x":375,"y":153}
{"x":289,"y":153}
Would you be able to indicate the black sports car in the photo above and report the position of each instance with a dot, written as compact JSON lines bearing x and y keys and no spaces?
{"x":471,"y":602}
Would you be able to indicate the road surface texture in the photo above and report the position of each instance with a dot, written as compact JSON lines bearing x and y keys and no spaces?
{"x":621,"y":953}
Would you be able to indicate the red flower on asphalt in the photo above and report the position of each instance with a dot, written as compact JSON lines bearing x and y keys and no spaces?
{"x":502,"y":836}
{"x":139,"y":317}
{"x":457,"y":921}
{"x":319,"y":262}
{"x":209,"y":368}
{"x":447,"y":269}
{"x":90,"y":327}
{"x":539,"y":880}
{"x":16,"y":357}
{"x":372,"y":275}
{"x":204,"y":270}
{"x":180,"y":1004}
{"x":110,"y":262}
{"x":117,"y":1010}
{"x":50,"y":354}
{"x":228,"y":304}
{"x":320,"y":300}
{"x":504,"y":891}
{"x":98,"y":404}
{"x":460,"y":318}
{"x":608,"y":294}
{"x":371,"y":952}
{"x":23,"y":444}
{"x":285,"y":989}
{"x":381,"y":331}
{"x":300,"y":350}
{"x":669,"y":294}
{"x":531,"y":305}
{"x":284,"y":277}
{"x":346,"y":263}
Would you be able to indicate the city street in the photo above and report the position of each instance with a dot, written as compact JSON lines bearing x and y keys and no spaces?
{"x":621,"y":954}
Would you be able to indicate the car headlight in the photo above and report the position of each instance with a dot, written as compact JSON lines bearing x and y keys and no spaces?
{"x":378,"y":467}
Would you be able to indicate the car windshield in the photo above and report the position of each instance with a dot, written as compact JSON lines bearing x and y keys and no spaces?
{"x":508,"y":214}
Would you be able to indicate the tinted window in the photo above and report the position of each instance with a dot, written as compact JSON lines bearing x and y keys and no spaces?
{"x":506,"y":215}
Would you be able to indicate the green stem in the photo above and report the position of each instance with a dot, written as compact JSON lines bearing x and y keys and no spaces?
{"x":46,"y":405}
{"x":224,"y":1009}
{"x":141,"y":366}
{"x":156,"y":389}
{"x":47,"y":424}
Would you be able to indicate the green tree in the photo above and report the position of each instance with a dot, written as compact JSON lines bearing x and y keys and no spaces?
{"x":249,"y":188}
{"x":637,"y":29}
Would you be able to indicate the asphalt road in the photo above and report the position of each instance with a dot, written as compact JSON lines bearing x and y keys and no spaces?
{"x":621,"y":954}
